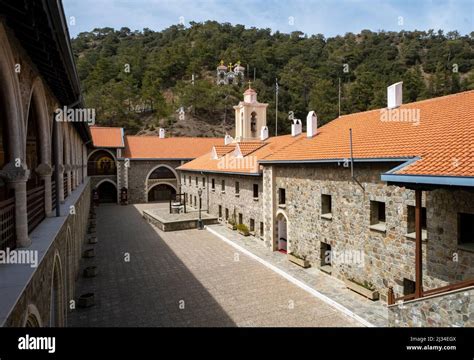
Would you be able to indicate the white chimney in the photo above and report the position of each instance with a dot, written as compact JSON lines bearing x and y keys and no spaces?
{"x":311,"y":124}
{"x":264,"y":133}
{"x":394,"y":95}
{"x":228,"y":139}
{"x":162,"y":133}
{"x":296,"y":127}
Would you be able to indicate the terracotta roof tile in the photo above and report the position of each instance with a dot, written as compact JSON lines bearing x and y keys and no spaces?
{"x":248,"y":164}
{"x":443,"y":137}
{"x":154,"y":147}
{"x":107,"y":136}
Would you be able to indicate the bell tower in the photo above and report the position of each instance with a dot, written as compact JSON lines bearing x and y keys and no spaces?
{"x":250,"y":117}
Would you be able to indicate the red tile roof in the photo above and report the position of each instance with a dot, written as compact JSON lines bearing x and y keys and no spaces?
{"x":153,"y":147}
{"x":111,"y":137}
{"x":443,"y":137}
{"x":252,"y":152}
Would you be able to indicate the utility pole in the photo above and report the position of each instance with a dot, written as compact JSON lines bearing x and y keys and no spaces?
{"x":276,"y":106}
{"x":339,"y":97}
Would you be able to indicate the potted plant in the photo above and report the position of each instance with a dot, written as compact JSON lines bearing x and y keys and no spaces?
{"x":231,"y":224}
{"x":243,"y":230}
{"x":298,"y":260}
{"x":363,"y":288}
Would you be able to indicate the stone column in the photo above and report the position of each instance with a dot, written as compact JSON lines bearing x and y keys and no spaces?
{"x":67,"y":169}
{"x":45,"y":171}
{"x":60,"y":186}
{"x":16,"y":178}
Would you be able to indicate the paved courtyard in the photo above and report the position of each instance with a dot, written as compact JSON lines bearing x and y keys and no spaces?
{"x":186,"y":278}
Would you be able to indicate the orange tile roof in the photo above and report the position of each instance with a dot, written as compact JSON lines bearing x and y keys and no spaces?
{"x":107,"y":136}
{"x":248,"y":147}
{"x":443,"y":138}
{"x":153,"y":147}
{"x":248,"y":164}
{"x":223,"y":149}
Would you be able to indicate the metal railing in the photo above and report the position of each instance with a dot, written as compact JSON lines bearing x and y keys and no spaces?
{"x":65,"y":185}
{"x":7,"y":224}
{"x":391,"y":299}
{"x":35,"y":207}
{"x":53,"y":194}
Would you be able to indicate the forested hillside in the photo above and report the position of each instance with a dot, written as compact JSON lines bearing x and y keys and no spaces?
{"x":140,"y":79}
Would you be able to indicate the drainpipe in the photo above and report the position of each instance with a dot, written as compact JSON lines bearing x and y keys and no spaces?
{"x":418,"y":248}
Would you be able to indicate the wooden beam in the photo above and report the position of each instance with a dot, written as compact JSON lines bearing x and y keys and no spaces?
{"x":418,"y":249}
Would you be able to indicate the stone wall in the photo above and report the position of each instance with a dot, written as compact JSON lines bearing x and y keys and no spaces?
{"x":64,"y":252}
{"x":136,"y":177}
{"x":388,"y":256}
{"x":244,"y":203}
{"x":453,"y":309}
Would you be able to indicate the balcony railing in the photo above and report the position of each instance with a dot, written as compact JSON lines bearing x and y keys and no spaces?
{"x":94,"y":169}
{"x":7,"y":224}
{"x":35,"y":207}
{"x":53,"y":194}
{"x":65,"y":185}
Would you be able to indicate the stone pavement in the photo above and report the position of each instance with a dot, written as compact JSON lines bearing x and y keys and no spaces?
{"x":186,"y":278}
{"x":374,"y":312}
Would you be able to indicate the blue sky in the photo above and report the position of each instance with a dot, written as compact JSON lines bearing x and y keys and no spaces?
{"x":328,"y":17}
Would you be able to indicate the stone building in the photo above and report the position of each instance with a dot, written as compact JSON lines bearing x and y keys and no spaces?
{"x":143,"y":165}
{"x":44,"y":190}
{"x":382,"y":198}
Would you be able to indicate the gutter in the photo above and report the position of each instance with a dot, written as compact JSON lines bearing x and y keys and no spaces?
{"x":428,"y":179}
{"x":390,"y":176}
{"x":336,"y":160}
{"x":220,"y":172}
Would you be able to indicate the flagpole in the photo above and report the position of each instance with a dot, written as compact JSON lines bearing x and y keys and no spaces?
{"x":276,"y":107}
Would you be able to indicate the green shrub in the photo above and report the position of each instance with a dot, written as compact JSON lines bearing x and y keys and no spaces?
{"x":243,"y":229}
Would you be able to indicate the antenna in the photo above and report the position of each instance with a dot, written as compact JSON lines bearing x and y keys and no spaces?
{"x":254,"y":74}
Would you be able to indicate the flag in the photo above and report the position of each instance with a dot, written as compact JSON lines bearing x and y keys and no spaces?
{"x":276,"y":86}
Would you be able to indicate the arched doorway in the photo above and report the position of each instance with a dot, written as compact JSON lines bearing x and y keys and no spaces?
{"x":282,"y":233}
{"x":57,"y":303}
{"x":161,"y":192}
{"x":107,"y":192}
{"x":101,"y":162}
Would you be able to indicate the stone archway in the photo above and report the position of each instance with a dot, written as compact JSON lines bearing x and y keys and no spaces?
{"x":281,"y":243}
{"x":164,"y":175}
{"x":57,"y":294}
{"x":32,"y":317}
{"x":107,"y":190}
{"x":101,"y":162}
{"x":161,"y":192}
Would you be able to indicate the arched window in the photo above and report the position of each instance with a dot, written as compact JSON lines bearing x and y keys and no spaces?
{"x":4,"y":151}
{"x":253,"y":122}
{"x":101,"y":163}
{"x":162,"y":173}
{"x":33,"y":149}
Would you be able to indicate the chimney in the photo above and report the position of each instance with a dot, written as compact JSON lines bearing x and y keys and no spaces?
{"x":394,"y":95}
{"x":264,"y":133}
{"x":311,"y":124}
{"x":296,"y":127}
{"x":228,"y":139}
{"x":162,"y":133}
